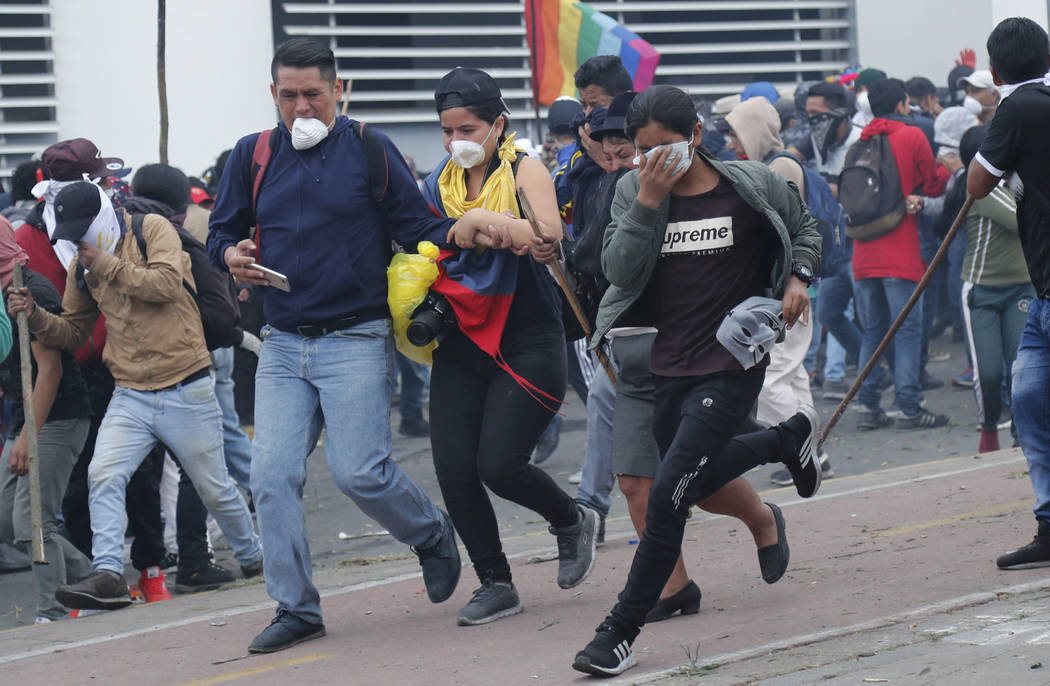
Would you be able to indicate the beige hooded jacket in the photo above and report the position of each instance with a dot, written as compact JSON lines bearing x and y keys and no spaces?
{"x":756,"y":125}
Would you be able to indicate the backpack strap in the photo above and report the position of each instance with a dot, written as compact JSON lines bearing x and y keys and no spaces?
{"x":375,"y":159}
{"x":136,"y":229}
{"x":261,"y":155}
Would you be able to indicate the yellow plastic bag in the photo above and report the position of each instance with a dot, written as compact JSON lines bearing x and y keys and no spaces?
{"x":408,"y":277}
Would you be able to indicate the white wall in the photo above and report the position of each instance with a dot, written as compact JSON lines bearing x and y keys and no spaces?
{"x":905,"y":38}
{"x":908,"y":38}
{"x":217,"y":69}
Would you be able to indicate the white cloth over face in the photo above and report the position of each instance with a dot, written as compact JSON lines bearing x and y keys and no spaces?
{"x":104,"y":231}
{"x":48,"y":191}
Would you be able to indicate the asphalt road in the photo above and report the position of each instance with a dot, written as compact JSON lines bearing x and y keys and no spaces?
{"x":340,"y":535}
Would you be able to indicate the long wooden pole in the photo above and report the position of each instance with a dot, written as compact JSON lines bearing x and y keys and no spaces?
{"x":916,"y":294}
{"x":35,"y":515}
{"x":162,"y":82}
{"x":570,"y":296}
{"x":346,"y":96}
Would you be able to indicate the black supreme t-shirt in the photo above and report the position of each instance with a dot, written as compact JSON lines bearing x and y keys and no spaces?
{"x":1019,"y":141}
{"x":710,"y":261}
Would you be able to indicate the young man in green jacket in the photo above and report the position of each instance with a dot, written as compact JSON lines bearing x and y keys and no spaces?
{"x":690,"y":239}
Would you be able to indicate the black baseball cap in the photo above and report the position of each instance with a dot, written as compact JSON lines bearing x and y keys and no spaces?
{"x":560,"y":114}
{"x":615,"y":117}
{"x":76,"y":206}
{"x":464,"y":86}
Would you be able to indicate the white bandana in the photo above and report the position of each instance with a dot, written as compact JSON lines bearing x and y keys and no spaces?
{"x":1007,"y":90}
{"x":101,"y":230}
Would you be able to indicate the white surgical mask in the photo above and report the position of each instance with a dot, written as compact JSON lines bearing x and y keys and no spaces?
{"x":973,"y":105}
{"x":863,"y":104}
{"x":308,"y":132}
{"x":469,"y":154}
{"x":681,"y":148}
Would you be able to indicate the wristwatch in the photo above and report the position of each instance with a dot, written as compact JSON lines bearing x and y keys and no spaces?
{"x":804,"y":273}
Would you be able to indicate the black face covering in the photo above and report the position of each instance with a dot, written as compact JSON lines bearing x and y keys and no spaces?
{"x":824,"y":129}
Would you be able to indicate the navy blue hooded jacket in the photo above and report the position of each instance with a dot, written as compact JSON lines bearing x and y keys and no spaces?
{"x":320,"y":226}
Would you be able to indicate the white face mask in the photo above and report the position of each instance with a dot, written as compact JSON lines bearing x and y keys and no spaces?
{"x":306,"y":133}
{"x":863,"y":104}
{"x":681,"y":148}
{"x":973,"y":105}
{"x":469,"y":154}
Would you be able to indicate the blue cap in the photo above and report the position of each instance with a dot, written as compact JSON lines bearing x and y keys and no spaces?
{"x":763,"y":88}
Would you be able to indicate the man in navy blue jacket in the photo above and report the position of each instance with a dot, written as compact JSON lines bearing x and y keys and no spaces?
{"x":326,"y":350}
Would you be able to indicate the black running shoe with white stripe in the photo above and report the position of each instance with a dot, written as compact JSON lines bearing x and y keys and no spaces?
{"x":804,"y":465}
{"x":608,"y":654}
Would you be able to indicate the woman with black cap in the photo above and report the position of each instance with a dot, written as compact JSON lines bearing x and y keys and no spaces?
{"x":500,"y":372}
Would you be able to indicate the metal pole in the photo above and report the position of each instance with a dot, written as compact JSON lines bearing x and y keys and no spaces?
{"x":934,"y":263}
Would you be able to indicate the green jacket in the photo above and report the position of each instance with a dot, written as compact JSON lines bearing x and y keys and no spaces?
{"x":994,"y":256}
{"x":633,"y":238}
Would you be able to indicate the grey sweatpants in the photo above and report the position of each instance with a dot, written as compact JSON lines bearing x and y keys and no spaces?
{"x":59,"y":443}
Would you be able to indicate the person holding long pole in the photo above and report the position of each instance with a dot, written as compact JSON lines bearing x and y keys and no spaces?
{"x":62,"y":411}
{"x":500,"y":371}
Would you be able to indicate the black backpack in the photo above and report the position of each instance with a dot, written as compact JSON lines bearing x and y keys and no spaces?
{"x":870,"y":189}
{"x":216,"y":294}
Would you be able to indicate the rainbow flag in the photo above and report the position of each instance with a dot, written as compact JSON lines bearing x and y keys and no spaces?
{"x":564,"y":34}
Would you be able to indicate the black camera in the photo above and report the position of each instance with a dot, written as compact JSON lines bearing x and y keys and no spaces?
{"x":432,"y":319}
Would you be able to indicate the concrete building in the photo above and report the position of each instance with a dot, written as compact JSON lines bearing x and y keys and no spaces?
{"x":80,"y":68}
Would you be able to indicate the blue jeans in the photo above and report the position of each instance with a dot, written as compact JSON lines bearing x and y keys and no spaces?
{"x":1031,"y":402}
{"x":597,"y":480}
{"x":956,"y":255}
{"x":929,"y":242}
{"x":835,"y":361}
{"x":300,"y":384}
{"x":236,"y":445}
{"x":879,"y":301}
{"x":835,"y":293}
{"x":413,"y":379}
{"x":187,"y":419}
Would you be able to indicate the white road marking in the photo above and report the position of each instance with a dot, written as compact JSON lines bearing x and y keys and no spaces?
{"x":798,"y":640}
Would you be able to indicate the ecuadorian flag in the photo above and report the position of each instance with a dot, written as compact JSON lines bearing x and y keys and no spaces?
{"x":564,"y":34}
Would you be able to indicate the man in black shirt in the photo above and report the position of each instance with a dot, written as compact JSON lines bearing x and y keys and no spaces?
{"x":1017,"y":143}
{"x":62,"y":409}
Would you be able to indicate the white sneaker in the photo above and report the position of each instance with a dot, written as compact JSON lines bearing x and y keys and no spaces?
{"x":576,"y":478}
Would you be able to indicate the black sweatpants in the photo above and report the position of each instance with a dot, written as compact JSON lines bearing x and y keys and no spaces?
{"x":483,"y":428}
{"x":694,"y":424}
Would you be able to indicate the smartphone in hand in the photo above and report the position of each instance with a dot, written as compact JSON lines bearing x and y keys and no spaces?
{"x":276,"y":279}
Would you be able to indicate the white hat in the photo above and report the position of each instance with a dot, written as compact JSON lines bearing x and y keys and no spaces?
{"x":982,"y":78}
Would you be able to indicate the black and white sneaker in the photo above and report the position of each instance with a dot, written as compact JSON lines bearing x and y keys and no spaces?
{"x":494,"y":600}
{"x":804,"y":465}
{"x":608,"y":654}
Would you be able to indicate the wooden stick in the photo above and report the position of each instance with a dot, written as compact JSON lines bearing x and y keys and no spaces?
{"x":35,"y":516}
{"x":916,"y":294}
{"x":563,"y":281}
{"x":346,"y":96}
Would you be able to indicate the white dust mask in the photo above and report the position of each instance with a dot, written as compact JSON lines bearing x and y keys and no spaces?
{"x":973,"y":105}
{"x":469,"y":154}
{"x":306,"y":133}
{"x":681,"y":148}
